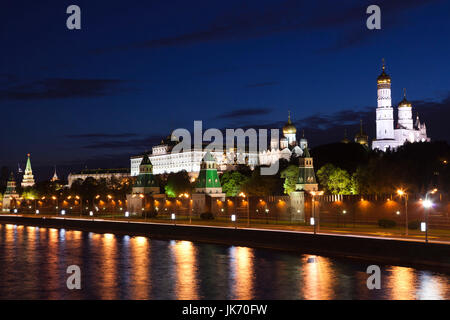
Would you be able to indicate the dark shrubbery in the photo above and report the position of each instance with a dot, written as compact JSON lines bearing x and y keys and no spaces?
{"x":413,"y":225}
{"x":206,"y":216}
{"x":386,"y":223}
{"x":150,"y":214}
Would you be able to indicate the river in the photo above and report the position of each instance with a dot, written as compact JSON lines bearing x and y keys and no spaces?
{"x":34,"y":261}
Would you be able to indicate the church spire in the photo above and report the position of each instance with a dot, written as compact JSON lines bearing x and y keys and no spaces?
{"x":55,"y":176}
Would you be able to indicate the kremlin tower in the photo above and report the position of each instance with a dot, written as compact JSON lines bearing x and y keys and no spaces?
{"x":28,"y":178}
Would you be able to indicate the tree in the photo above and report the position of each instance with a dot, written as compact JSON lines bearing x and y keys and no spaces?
{"x":339,"y":182}
{"x":177,"y":183}
{"x":323,"y":175}
{"x":335,"y":180}
{"x":290,"y":176}
{"x":232,"y":182}
{"x":263,"y":185}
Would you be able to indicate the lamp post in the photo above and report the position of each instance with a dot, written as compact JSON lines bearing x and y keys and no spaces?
{"x":402,"y":193}
{"x":56,"y":203}
{"x":427,"y":204}
{"x":243,"y":195}
{"x":316,"y":223}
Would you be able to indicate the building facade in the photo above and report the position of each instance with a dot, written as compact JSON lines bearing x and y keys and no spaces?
{"x":99,"y":174}
{"x":388,"y":136}
{"x":166,"y":161}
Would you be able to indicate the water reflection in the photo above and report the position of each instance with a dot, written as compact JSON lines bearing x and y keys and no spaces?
{"x":108,"y":269}
{"x":318,"y":278}
{"x":140,"y":270}
{"x":34,"y":262}
{"x":402,"y":282}
{"x":242,"y":272}
{"x":186,"y":268}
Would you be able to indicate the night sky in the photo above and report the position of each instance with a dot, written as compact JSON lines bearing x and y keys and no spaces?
{"x":139,"y":69}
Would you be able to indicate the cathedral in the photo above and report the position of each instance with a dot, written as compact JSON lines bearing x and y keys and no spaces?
{"x":286,"y":147}
{"x":388,"y":136}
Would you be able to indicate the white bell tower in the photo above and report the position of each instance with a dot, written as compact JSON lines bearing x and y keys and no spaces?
{"x":385,"y":112}
{"x":405,"y":120}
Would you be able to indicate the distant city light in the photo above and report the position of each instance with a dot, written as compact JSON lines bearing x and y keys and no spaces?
{"x":233,"y":217}
{"x":37,"y":211}
{"x":91,"y":213}
{"x":311,"y":221}
{"x":172,"y":216}
{"x":127,"y":214}
{"x":63,"y":212}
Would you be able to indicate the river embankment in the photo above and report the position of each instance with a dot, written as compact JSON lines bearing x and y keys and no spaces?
{"x":373,"y":249}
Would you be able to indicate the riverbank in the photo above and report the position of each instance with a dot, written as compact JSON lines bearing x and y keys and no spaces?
{"x":376,"y":250}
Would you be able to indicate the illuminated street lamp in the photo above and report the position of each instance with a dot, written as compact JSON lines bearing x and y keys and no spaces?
{"x":127,"y":214}
{"x":63,"y":212}
{"x":173,"y":217}
{"x":314,"y":194}
{"x":402,"y":194}
{"x":427,"y":204}
{"x":243,"y":195}
{"x":37,"y":211}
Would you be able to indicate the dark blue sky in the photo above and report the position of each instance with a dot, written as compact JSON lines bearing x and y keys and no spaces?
{"x":139,"y":69}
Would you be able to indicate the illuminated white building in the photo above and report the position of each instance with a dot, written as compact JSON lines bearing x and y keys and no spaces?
{"x":164,"y":161}
{"x":406,"y":130}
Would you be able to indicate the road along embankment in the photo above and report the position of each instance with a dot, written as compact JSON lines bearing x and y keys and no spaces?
{"x":373,"y":249}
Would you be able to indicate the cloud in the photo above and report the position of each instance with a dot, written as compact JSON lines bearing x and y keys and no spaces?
{"x":102,"y":135}
{"x":60,"y":88}
{"x":7,"y":78}
{"x":262,"y":84}
{"x":245,"y":113}
{"x":326,"y":128}
{"x":259,"y":19}
{"x":143,"y":143}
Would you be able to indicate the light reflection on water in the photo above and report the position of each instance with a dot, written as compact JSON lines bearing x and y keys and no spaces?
{"x":33,"y":263}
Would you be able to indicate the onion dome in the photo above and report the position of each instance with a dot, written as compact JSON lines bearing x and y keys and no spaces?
{"x":289,"y":128}
{"x":345,"y":140}
{"x":404,"y":102}
{"x":361,"y":137}
{"x":384,"y":77}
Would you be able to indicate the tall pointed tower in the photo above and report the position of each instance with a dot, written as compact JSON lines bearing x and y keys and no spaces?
{"x":385,"y":112}
{"x":306,"y":176}
{"x":55,"y":176}
{"x":10,"y":192}
{"x":28,"y":178}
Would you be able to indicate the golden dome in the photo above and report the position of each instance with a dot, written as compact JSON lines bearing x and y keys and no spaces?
{"x":384,"y":77}
{"x":289,"y":128}
{"x":404,"y":102}
{"x":361,"y":137}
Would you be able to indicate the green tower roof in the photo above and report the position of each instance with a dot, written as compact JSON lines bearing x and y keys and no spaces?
{"x":306,"y":153}
{"x":146,"y":179}
{"x":208,"y":177}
